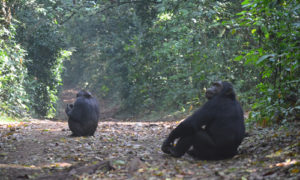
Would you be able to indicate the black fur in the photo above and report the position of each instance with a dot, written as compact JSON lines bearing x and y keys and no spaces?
{"x":83,"y":115}
{"x":214,"y":131}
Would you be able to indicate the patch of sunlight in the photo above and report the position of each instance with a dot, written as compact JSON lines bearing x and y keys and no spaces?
{"x":46,"y":130}
{"x":251,"y":170}
{"x":287,"y":163}
{"x":55,"y":165}
{"x":60,"y":165}
{"x":165,"y":17}
{"x":7,"y":120}
{"x":18,"y":166}
{"x":276,"y":154}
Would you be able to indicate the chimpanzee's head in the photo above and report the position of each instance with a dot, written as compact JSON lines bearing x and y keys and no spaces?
{"x":220,"y":88}
{"x":84,"y":93}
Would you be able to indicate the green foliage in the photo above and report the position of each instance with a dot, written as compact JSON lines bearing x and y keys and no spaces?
{"x":13,"y":98}
{"x":185,"y":49}
{"x":99,"y":62}
{"x":40,"y":36}
{"x":156,"y":55}
{"x":4,"y":118}
{"x":275,"y":26}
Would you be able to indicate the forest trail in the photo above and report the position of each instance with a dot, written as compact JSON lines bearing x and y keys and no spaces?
{"x":43,"y":149}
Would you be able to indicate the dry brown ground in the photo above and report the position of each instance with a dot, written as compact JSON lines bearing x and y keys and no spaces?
{"x":43,"y":149}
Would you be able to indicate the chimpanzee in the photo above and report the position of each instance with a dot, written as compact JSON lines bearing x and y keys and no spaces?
{"x":214,"y":131}
{"x":83,"y":115}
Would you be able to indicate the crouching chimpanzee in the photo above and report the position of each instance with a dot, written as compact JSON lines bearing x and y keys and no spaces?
{"x":83,"y":115}
{"x":214,"y":131}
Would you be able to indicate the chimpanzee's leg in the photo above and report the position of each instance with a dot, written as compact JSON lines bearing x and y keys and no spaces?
{"x":182,"y":146}
{"x":204,"y":147}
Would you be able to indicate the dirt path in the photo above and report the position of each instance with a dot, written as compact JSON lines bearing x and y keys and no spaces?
{"x":43,"y":149}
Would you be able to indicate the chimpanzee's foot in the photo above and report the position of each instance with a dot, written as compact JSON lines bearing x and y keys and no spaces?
{"x":175,"y":153}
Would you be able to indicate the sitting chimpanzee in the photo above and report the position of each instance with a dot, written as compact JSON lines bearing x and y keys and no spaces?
{"x":214,"y":131}
{"x":83,"y":115}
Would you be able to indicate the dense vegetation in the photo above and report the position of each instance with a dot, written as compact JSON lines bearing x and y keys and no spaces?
{"x":150,"y":56}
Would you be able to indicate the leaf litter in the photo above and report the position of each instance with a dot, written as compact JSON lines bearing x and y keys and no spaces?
{"x":43,"y":149}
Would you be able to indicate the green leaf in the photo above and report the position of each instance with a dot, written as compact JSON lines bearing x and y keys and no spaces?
{"x":245,"y":2}
{"x":238,"y":58}
{"x":233,"y":31}
{"x":267,"y":35}
{"x":261,"y":59}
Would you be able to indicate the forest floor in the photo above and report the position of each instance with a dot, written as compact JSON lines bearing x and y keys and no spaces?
{"x":43,"y":149}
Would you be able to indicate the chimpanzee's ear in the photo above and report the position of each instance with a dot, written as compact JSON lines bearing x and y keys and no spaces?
{"x":229,"y":92}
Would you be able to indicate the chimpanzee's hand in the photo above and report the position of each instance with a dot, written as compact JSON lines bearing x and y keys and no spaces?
{"x":69,"y":108}
{"x":166,"y":146}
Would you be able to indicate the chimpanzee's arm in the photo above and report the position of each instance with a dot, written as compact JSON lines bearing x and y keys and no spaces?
{"x":185,"y":128}
{"x":190,"y":125}
{"x":69,"y":109}
{"x":76,"y":112}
